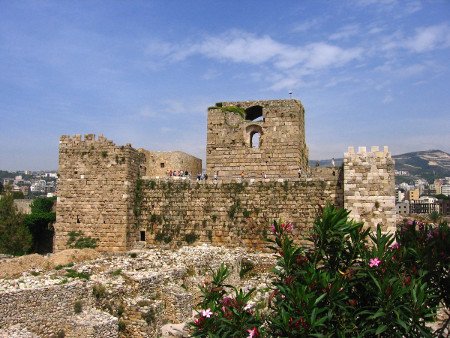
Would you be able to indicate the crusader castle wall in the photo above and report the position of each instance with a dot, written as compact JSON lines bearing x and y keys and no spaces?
{"x":232,"y":138}
{"x":112,"y":193}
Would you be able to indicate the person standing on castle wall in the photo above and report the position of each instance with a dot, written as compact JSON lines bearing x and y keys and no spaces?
{"x":242,"y":174}
{"x":332,"y":162}
{"x":206,"y":176}
{"x":299,"y":172}
{"x":216,"y":176}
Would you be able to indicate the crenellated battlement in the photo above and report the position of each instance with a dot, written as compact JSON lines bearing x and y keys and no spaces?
{"x":369,"y":186}
{"x":102,"y":193}
{"x":362,"y":152}
{"x":90,"y":140}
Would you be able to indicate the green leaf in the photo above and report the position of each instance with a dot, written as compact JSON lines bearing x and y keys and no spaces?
{"x":381,"y":329}
{"x":319,"y":299}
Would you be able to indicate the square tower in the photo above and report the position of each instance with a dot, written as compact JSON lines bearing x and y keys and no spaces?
{"x":256,"y":138}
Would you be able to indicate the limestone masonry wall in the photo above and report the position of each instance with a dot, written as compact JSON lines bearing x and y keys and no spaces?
{"x":282,"y":147}
{"x":159,"y":162}
{"x":107,"y":191}
{"x":96,"y":191}
{"x":233,"y":213}
{"x":369,"y":186}
{"x":31,"y":307}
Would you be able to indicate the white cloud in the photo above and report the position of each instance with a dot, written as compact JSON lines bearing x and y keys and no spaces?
{"x":345,"y":32}
{"x":429,"y":38}
{"x":243,"y":47}
{"x":307,"y":25}
{"x":388,"y":99}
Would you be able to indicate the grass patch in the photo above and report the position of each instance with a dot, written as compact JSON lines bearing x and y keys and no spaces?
{"x":70,"y":273}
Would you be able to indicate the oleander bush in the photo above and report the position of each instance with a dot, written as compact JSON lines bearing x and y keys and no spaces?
{"x":348,"y":282}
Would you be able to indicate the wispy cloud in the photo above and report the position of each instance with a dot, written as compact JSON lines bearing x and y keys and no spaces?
{"x":307,"y":25}
{"x":294,"y":61}
{"x":429,"y":38}
{"x":345,"y":32}
{"x":424,"y":39}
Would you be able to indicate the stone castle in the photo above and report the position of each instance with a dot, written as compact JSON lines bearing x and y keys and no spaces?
{"x":257,"y":163}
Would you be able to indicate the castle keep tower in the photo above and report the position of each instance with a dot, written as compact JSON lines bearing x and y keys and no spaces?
{"x":97,"y":180}
{"x":256,"y":137}
{"x":369,"y":186}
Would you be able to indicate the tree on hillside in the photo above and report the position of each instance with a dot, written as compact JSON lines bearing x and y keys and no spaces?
{"x":40,"y":223}
{"x":15,"y":238}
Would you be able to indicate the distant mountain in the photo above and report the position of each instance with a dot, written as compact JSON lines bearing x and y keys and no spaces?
{"x":428,"y":164}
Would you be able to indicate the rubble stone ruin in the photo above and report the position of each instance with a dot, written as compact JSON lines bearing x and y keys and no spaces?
{"x":256,"y":149}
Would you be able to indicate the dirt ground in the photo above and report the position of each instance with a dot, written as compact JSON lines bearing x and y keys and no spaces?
{"x":14,"y":267}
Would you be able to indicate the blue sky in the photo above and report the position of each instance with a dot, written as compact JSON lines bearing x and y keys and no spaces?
{"x":369,"y":72}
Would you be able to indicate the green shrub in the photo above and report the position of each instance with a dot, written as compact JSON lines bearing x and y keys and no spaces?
{"x":234,"y":208}
{"x":59,"y":266}
{"x":78,"y":307}
{"x":117,"y":272}
{"x":149,"y":316}
{"x":133,"y":255}
{"x":99,"y":291}
{"x":120,"y":310}
{"x":235,"y":110}
{"x":121,"y":325}
{"x":190,"y":238}
{"x":246,"y":267}
{"x":246,"y":213}
{"x":162,"y":236}
{"x":348,"y":281}
{"x":78,"y":241}
{"x":70,"y":273}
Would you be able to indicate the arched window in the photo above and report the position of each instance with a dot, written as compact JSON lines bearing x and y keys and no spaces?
{"x":254,"y":139}
{"x":254,"y":113}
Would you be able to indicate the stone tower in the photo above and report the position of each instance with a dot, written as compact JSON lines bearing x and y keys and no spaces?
{"x":96,"y":192}
{"x":369,"y":186}
{"x":256,"y":137}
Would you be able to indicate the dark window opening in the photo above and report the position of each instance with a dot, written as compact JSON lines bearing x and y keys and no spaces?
{"x":142,"y":236}
{"x":78,"y":219}
{"x":254,"y":113}
{"x":255,"y":139}
{"x":162,"y":164}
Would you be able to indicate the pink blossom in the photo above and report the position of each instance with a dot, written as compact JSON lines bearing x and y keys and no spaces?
{"x":395,"y":246}
{"x":207,"y":313}
{"x":287,"y":226}
{"x":253,"y":333}
{"x":273,"y":229}
{"x":374,"y":262}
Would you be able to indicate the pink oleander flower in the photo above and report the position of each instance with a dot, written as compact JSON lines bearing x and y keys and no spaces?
{"x":253,"y":333}
{"x":206,"y":313}
{"x":288,"y":227}
{"x":374,"y":262}
{"x":273,"y":229}
{"x":395,"y":246}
